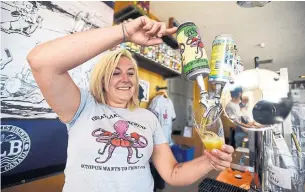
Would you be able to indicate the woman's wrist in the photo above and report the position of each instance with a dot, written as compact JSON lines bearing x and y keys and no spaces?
{"x":203,"y":164}
{"x":124,"y":32}
{"x":117,"y":34}
{"x":206,"y":164}
{"x":188,"y":172}
{"x":125,"y":29}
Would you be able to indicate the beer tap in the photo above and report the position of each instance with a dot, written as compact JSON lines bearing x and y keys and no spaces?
{"x":203,"y":93}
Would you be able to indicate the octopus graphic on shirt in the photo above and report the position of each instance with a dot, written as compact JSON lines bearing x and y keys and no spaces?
{"x":119,"y":138}
{"x":165,"y":116}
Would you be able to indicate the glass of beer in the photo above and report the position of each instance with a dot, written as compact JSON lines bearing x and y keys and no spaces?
{"x":209,"y":129}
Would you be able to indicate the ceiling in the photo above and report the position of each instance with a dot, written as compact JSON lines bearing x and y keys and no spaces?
{"x":280,"y":25}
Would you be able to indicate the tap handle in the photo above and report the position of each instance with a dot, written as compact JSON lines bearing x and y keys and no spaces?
{"x":256,"y":62}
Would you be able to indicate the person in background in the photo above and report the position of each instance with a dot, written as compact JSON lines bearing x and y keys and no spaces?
{"x":233,"y":107}
{"x":233,"y":110}
{"x":111,"y":138}
{"x":246,"y":115}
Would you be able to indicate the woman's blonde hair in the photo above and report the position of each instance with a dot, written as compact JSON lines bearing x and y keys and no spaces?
{"x":102,"y":73}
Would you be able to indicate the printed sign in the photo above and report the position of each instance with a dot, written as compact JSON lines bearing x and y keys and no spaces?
{"x":145,"y":85}
{"x":26,"y":24}
{"x":15,"y":146}
{"x":280,"y":177}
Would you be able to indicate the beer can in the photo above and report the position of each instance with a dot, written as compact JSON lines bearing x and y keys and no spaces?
{"x":194,"y":58}
{"x":235,"y":62}
{"x":239,"y":66}
{"x":159,"y":57}
{"x":128,"y":45}
{"x":222,"y":59}
{"x":150,"y":52}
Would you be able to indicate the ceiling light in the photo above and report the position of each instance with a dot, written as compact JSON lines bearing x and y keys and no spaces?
{"x":251,"y":4}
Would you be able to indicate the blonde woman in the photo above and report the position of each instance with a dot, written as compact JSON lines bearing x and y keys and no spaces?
{"x":111,"y":139}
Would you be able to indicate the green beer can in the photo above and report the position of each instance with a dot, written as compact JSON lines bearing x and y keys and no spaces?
{"x":194,"y":58}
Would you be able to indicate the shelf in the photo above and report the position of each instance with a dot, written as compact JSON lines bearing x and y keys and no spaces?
{"x":155,"y":67}
{"x":171,"y":41}
{"x":133,"y":12}
{"x":129,"y":12}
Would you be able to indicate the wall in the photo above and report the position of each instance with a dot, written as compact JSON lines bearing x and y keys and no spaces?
{"x":280,"y":25}
{"x":50,"y":184}
{"x":181,"y":92}
{"x":122,"y":4}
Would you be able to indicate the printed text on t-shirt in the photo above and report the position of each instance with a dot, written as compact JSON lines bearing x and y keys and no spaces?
{"x":94,"y":118}
{"x":106,"y":168}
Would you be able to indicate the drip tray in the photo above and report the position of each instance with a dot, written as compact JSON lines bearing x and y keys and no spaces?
{"x":212,"y":185}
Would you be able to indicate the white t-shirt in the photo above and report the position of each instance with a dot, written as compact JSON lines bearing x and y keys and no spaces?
{"x":164,"y":109}
{"x":246,"y":114}
{"x":233,"y":111}
{"x":109,"y":153}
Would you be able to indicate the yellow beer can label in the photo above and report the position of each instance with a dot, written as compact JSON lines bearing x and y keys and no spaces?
{"x":222,"y":59}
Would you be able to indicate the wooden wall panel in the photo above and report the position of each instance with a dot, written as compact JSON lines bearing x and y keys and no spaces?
{"x":50,"y":184}
{"x":122,"y":4}
{"x":154,"y":80}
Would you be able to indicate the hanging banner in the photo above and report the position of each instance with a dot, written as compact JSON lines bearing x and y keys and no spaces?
{"x":26,"y":24}
{"x":33,"y":140}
